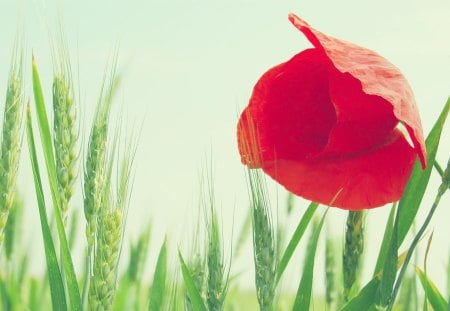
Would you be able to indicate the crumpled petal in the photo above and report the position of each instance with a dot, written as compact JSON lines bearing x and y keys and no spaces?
{"x":377,"y":76}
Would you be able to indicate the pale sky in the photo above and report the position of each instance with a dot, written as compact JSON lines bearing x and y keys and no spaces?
{"x":188,"y":70}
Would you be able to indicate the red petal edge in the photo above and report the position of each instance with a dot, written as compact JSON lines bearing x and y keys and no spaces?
{"x":353,"y":183}
{"x":377,"y":75}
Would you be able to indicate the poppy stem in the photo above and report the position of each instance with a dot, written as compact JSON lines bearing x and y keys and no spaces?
{"x":353,"y":249}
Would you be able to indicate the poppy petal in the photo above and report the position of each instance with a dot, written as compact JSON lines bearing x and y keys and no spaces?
{"x":290,"y":109}
{"x":363,"y":121}
{"x":377,"y":76}
{"x":364,"y":181}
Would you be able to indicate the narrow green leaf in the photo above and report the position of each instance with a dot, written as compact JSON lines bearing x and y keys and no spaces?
{"x":303,"y":297}
{"x":158,"y":289}
{"x":365,"y":298}
{"x":407,"y":211}
{"x":415,"y":189}
{"x":295,"y":239}
{"x":432,"y":145}
{"x":438,"y":168}
{"x":56,"y":282}
{"x":389,"y":268}
{"x":46,"y":140}
{"x":435,"y":298}
{"x":448,"y":277}
{"x":122,"y":299}
{"x":194,"y":294}
{"x":386,"y":241}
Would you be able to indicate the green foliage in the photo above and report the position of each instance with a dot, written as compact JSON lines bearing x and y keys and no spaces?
{"x":46,"y":141}
{"x":295,"y":239}
{"x":56,"y":281}
{"x":158,"y":290}
{"x":386,"y":240}
{"x":194,"y":293}
{"x":417,"y":184}
{"x":303,"y":297}
{"x":436,"y":299}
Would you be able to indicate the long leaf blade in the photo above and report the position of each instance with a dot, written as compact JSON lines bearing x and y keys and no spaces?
{"x":295,"y":239}
{"x":46,"y":141}
{"x":407,"y":211}
{"x":365,"y":298}
{"x":55,"y":279}
{"x":436,"y":299}
{"x":386,"y":241}
{"x":303,"y":297}
{"x":415,"y":189}
{"x":158,"y":288}
{"x":196,"y":299}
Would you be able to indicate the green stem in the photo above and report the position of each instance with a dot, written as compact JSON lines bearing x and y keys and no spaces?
{"x":87,"y":278}
{"x":442,"y":188}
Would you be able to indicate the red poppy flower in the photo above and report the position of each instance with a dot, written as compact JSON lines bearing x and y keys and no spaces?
{"x":325,"y":125}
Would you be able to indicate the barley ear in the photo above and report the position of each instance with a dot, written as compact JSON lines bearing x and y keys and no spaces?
{"x":11,"y":139}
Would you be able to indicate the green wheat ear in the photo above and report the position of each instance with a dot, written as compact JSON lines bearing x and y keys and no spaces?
{"x":111,"y":220}
{"x":96,"y":161}
{"x":11,"y":139}
{"x":264,"y":245}
{"x":353,"y":250}
{"x":215,"y":288}
{"x":64,"y":137}
{"x":103,"y":281}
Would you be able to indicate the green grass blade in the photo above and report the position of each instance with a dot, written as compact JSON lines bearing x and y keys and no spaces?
{"x":194,"y":294}
{"x":46,"y":140}
{"x":303,"y":297}
{"x":415,"y":189}
{"x":56,"y":282}
{"x":295,"y":239}
{"x":435,"y":298}
{"x":407,"y":211}
{"x":448,"y":276}
{"x":390,"y":268}
{"x":419,"y":183}
{"x":386,"y":241}
{"x":365,"y":298}
{"x":158,"y":288}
